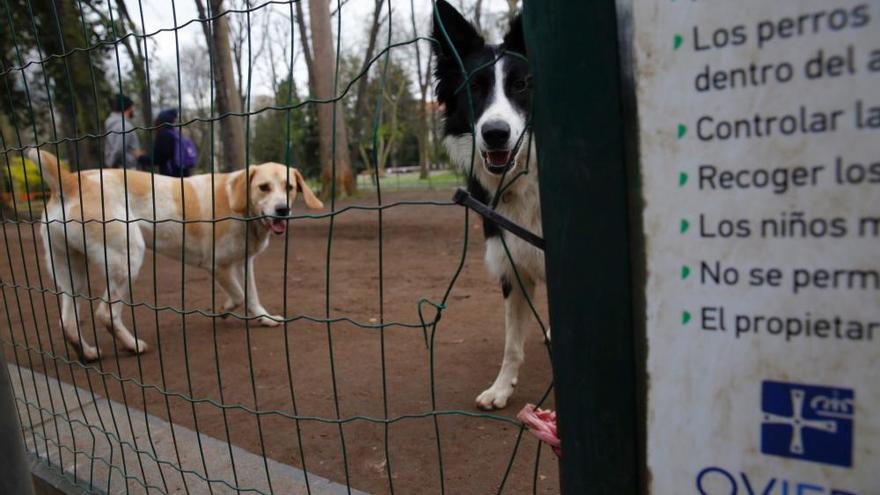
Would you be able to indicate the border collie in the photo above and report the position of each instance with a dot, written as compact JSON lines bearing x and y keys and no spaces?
{"x":500,"y":161}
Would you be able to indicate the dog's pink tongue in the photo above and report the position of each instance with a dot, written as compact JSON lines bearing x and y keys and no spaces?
{"x":278,"y":226}
{"x":498,"y":157}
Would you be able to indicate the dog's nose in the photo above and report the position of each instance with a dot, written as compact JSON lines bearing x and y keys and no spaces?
{"x":496,"y":133}
{"x":282,"y":210}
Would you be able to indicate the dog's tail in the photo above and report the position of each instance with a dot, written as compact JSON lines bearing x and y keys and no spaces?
{"x":51,"y":169}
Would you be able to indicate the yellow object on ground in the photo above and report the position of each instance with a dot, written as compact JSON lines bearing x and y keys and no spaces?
{"x":22,"y":181}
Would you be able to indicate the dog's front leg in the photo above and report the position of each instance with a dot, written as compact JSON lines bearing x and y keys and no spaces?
{"x":230,"y":282}
{"x":253,"y":300}
{"x":516,"y":316}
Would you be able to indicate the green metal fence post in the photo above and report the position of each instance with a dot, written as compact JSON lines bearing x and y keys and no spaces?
{"x":15,"y":475}
{"x":579,"y":124}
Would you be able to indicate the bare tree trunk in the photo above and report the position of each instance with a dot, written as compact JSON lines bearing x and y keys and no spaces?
{"x":422,"y":129}
{"x":392,"y":104}
{"x":434,"y":128}
{"x":306,"y":49}
{"x":82,"y":95}
{"x":424,"y":80}
{"x":242,"y":43}
{"x":225,"y":93}
{"x":237,"y":47}
{"x":324,"y":67}
{"x":273,"y":72}
{"x":360,"y":102}
{"x":379,"y":152}
{"x":138,"y":63}
{"x":365,"y":158}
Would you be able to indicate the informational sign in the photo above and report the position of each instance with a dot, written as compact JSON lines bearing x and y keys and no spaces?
{"x":759,"y":129}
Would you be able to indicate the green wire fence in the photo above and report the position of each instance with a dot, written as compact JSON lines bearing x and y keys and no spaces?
{"x":197,"y":383}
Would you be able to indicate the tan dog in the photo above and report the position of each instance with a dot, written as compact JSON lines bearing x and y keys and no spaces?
{"x":270,"y":187}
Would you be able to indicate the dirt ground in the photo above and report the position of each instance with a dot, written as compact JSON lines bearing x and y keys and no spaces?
{"x":266,"y":368}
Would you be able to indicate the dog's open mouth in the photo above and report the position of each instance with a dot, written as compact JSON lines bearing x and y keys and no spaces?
{"x":497,"y":161}
{"x":277,"y":225}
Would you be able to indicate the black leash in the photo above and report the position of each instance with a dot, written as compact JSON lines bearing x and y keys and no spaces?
{"x":464,"y":198}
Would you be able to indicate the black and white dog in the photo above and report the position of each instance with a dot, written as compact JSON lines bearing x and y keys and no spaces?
{"x":500,"y":88}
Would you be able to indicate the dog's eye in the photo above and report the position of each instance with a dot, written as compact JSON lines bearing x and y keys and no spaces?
{"x":289,"y":187}
{"x":520,"y":85}
{"x":474,"y":84}
{"x":265,"y":187}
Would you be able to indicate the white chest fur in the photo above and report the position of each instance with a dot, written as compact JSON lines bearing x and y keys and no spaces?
{"x":521,"y":204}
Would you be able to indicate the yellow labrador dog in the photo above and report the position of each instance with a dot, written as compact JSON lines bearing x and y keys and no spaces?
{"x":270,"y":188}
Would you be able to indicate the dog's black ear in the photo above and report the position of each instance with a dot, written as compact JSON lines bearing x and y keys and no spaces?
{"x":464,"y":37}
{"x":514,"y":40}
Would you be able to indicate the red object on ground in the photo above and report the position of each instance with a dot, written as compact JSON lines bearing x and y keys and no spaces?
{"x":542,"y":424}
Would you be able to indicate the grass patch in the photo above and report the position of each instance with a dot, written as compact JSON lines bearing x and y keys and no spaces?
{"x":437,"y":179}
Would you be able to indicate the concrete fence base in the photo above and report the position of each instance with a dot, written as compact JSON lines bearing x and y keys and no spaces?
{"x":97,"y":453}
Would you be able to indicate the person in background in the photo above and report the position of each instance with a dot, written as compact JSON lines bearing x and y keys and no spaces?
{"x":122,"y":148}
{"x":173,"y":153}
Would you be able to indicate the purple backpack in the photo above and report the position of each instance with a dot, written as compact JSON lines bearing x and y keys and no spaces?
{"x":185,"y":152}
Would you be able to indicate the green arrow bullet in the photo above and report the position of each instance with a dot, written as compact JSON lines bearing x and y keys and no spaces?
{"x":682,"y":130}
{"x":685,"y":317}
{"x":685,"y":271}
{"x":676,"y":41}
{"x":684,"y":225}
{"x":682,"y":178}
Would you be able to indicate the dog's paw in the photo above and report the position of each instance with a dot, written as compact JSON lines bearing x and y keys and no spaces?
{"x":227,"y":308}
{"x":494,"y":398}
{"x":140,"y":347}
{"x":270,"y":321}
{"x":89,"y":354}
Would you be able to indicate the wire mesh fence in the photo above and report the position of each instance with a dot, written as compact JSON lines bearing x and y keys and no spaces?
{"x":381,"y":327}
{"x":406,"y":179}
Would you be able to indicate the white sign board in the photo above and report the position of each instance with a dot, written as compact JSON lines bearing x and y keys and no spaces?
{"x":759,"y":128}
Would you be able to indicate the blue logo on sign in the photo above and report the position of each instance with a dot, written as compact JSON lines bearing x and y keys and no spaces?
{"x":808,"y":422}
